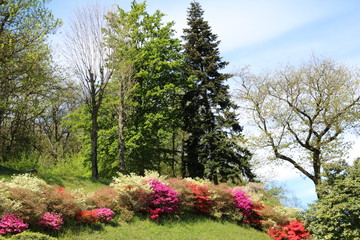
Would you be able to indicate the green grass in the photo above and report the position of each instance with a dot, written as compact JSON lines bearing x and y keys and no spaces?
{"x":189,"y":226}
{"x":72,"y":182}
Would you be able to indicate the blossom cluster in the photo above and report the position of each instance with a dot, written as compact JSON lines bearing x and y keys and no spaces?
{"x":93,"y":216}
{"x":202,"y":202}
{"x":28,"y":201}
{"x":243,"y":202}
{"x":11,"y":223}
{"x":51,"y":220}
{"x":163,"y":199}
{"x":104,"y":214}
{"x":294,"y":230}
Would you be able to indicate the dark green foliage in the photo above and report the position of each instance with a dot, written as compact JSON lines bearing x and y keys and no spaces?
{"x":335,"y":216}
{"x":212,"y":149}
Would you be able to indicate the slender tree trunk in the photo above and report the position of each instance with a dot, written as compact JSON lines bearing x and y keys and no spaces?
{"x":121,"y":143}
{"x":94,"y":143}
{"x":183,"y":163}
{"x":173,"y":153}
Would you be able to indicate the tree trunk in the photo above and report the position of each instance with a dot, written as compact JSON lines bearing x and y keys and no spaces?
{"x":121,"y":143}
{"x":94,"y":144}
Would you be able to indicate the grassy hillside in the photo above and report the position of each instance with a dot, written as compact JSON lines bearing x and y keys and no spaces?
{"x":189,"y":226}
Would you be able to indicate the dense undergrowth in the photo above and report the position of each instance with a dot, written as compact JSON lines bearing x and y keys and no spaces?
{"x":137,"y":207}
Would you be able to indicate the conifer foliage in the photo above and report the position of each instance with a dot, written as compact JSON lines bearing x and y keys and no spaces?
{"x":212,"y":148}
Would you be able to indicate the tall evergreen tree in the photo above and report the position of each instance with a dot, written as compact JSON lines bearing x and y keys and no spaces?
{"x":212,"y":149}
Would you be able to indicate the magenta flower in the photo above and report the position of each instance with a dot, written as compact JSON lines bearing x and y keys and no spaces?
{"x":51,"y":221}
{"x":104,"y":214}
{"x":162,"y":200}
{"x":11,"y":223}
{"x":243,"y":202}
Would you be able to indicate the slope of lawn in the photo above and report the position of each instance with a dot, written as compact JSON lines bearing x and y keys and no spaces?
{"x":189,"y":226}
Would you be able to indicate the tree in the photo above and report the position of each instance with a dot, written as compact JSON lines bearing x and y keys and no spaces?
{"x":212,"y":149}
{"x":87,"y":55}
{"x":336,"y":215}
{"x":303,"y":112}
{"x":25,"y":72}
{"x":147,"y":62}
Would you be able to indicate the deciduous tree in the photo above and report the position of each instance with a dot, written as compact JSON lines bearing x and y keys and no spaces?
{"x":87,"y":56}
{"x":303,"y":112}
{"x":25,"y":72}
{"x":148,"y":60}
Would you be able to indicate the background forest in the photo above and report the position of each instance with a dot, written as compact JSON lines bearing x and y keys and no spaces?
{"x":129,"y":97}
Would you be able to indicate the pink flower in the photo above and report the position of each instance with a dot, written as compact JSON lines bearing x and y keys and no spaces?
{"x":243,"y":202}
{"x":11,"y":223}
{"x":162,"y":200}
{"x":104,"y":214}
{"x":51,"y":221}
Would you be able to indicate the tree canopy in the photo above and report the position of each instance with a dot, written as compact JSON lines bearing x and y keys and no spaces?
{"x":213,"y":147}
{"x":307,"y":109}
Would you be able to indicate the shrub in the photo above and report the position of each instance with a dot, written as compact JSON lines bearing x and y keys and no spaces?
{"x":7,"y":205}
{"x":104,"y":198}
{"x":294,"y":230}
{"x":32,"y":203}
{"x":104,"y":214}
{"x":87,"y":216}
{"x":61,"y":201}
{"x":11,"y":223}
{"x":31,"y":236}
{"x":242,"y":201}
{"x":51,"y":221}
{"x":162,"y":200}
{"x":278,"y":215}
{"x":336,"y":213}
{"x":222,"y":202}
{"x":185,"y":193}
{"x":27,"y":181}
{"x":202,"y":203}
{"x":125,"y":215}
{"x":132,"y":191}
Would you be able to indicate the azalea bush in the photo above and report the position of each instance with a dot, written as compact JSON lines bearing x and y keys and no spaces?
{"x":202,"y":201}
{"x":104,"y":214}
{"x":222,"y":202}
{"x":104,"y":198}
{"x":294,"y":230}
{"x":12,"y":224}
{"x":60,"y":200}
{"x":87,"y":216}
{"x":132,"y":191}
{"x":184,"y":192}
{"x":27,"y":202}
{"x":242,"y":201}
{"x":162,"y":200}
{"x":51,"y":221}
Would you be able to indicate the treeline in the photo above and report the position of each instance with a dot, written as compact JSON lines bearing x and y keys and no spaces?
{"x":130,"y":97}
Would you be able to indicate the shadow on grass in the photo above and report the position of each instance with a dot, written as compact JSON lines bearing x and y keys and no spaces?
{"x":64,"y":180}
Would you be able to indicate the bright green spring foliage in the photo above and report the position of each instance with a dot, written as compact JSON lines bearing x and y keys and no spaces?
{"x":25,"y":76}
{"x":143,"y":43}
{"x":336,"y":215}
{"x":212,"y":149}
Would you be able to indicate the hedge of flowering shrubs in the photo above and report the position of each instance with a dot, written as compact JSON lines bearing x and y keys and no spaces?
{"x":28,"y":202}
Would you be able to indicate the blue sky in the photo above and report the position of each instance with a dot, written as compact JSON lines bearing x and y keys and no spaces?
{"x":265,"y":34}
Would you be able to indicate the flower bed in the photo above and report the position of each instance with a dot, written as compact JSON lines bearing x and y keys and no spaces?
{"x":28,"y":202}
